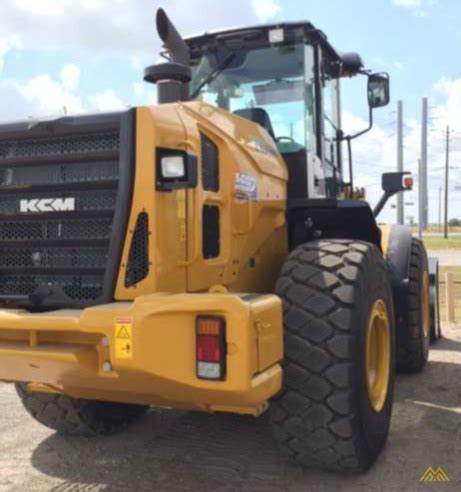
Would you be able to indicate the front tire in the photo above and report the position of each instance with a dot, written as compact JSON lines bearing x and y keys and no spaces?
{"x":79,"y":417}
{"x":413,"y":337}
{"x":333,"y":412}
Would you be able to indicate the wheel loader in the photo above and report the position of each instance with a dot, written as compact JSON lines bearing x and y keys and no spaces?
{"x":212,"y":253}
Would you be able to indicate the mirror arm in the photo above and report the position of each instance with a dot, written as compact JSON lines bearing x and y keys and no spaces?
{"x":351,"y":167}
{"x":348,"y":139}
{"x":382,"y":202}
{"x":370,"y":125}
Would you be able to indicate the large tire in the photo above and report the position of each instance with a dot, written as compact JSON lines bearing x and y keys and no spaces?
{"x":436,"y":331}
{"x":324,"y":416}
{"x":413,"y":337}
{"x":80,"y":417}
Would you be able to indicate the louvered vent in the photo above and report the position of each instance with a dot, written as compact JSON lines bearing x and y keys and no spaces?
{"x":210,"y":164}
{"x":138,"y":259}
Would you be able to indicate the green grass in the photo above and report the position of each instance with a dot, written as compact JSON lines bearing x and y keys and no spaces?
{"x":441,"y":243}
{"x":456,"y":270}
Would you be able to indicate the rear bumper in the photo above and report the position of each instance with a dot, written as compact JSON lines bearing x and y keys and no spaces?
{"x":79,"y":352}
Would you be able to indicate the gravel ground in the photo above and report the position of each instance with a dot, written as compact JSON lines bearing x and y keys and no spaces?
{"x":447,"y":257}
{"x":179,"y":451}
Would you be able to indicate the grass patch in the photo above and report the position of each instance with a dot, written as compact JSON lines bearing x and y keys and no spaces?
{"x":456,"y":270}
{"x":441,"y":243}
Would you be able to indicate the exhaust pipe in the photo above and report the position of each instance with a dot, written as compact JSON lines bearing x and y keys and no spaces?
{"x":171,"y":77}
{"x":172,"y":40}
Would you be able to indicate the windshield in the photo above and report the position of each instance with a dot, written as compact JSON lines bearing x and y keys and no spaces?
{"x":270,"y":78}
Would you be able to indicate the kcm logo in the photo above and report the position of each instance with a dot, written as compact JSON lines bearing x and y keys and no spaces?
{"x":47,"y":205}
{"x":437,"y":475}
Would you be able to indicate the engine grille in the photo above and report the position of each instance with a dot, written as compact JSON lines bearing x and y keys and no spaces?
{"x":61,"y":191}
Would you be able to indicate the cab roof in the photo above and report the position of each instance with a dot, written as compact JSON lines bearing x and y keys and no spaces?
{"x":259,"y":35}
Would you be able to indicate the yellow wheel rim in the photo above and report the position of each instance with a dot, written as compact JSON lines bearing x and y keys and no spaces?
{"x":425,"y":312}
{"x":378,"y":355}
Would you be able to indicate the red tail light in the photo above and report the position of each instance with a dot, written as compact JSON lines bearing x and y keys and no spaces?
{"x":210,"y":343}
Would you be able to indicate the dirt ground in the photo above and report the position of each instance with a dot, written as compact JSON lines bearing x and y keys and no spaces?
{"x":169,"y":450}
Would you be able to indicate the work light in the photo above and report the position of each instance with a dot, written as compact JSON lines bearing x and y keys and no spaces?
{"x":173,"y":166}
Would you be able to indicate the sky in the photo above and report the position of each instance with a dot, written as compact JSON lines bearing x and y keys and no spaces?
{"x":79,"y":56}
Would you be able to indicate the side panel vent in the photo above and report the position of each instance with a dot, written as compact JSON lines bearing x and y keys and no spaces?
{"x":210,"y":164}
{"x":138,"y":259}
{"x":210,"y":233}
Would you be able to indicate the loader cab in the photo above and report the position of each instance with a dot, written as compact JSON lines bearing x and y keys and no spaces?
{"x":286,"y":78}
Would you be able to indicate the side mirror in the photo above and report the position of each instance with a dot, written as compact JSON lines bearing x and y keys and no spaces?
{"x":378,"y":90}
{"x":392,"y":183}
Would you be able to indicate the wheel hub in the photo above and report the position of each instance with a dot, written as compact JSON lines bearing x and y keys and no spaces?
{"x":378,"y":355}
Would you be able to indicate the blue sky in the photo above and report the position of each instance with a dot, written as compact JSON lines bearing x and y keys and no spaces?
{"x":88,"y":55}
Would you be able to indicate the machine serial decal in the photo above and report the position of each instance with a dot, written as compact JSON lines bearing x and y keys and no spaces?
{"x":246,"y":185}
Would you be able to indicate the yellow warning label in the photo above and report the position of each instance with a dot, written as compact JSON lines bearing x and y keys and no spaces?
{"x":123,"y":338}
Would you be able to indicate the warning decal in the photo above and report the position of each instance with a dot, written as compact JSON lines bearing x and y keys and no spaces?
{"x":123,"y":338}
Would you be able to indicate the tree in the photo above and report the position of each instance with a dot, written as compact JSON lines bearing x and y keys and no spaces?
{"x":454,"y":222}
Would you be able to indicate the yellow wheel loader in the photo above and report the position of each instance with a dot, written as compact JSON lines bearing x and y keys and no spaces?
{"x":209,"y":254}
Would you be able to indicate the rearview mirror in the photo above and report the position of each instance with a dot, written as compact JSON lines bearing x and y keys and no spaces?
{"x":394,"y":182}
{"x":378,"y":90}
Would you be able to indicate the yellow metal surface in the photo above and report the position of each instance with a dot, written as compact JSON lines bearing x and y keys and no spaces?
{"x":167,"y":225}
{"x":385,"y":235}
{"x":253,"y":234}
{"x":252,"y":228}
{"x":425,"y":304}
{"x":377,"y":355}
{"x":74,"y":347}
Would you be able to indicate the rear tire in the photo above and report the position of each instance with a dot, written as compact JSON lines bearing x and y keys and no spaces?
{"x":413,"y":337}
{"x":436,"y":331}
{"x":79,"y":417}
{"x":325,"y":416}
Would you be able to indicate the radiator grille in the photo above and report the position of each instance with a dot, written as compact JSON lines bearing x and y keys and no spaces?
{"x":56,"y":146}
{"x":60,"y":173}
{"x":63,"y":251}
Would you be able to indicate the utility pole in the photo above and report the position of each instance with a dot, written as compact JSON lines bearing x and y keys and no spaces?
{"x":440,"y":209}
{"x":447,"y":167}
{"x":400,"y":202}
{"x":423,"y":182}
{"x":420,"y":200}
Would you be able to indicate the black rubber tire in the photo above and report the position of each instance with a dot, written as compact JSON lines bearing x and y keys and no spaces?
{"x":436,"y":331}
{"x":79,"y":417}
{"x":412,"y":342}
{"x":323,"y":417}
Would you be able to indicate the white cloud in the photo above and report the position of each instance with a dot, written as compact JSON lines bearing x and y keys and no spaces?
{"x":70,"y":77}
{"x":107,"y":101}
{"x":266,"y":9}
{"x":43,"y":7}
{"x":118,"y":27}
{"x":398,"y":65}
{"x":49,"y":97}
{"x":416,"y":7}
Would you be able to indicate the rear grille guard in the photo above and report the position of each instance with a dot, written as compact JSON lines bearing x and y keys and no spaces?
{"x":55,"y":252}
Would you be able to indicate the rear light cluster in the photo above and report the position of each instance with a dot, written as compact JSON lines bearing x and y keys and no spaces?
{"x":210,"y":348}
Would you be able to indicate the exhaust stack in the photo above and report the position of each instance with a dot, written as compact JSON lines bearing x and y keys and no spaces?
{"x":172,"y":40}
{"x":173,"y":77}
